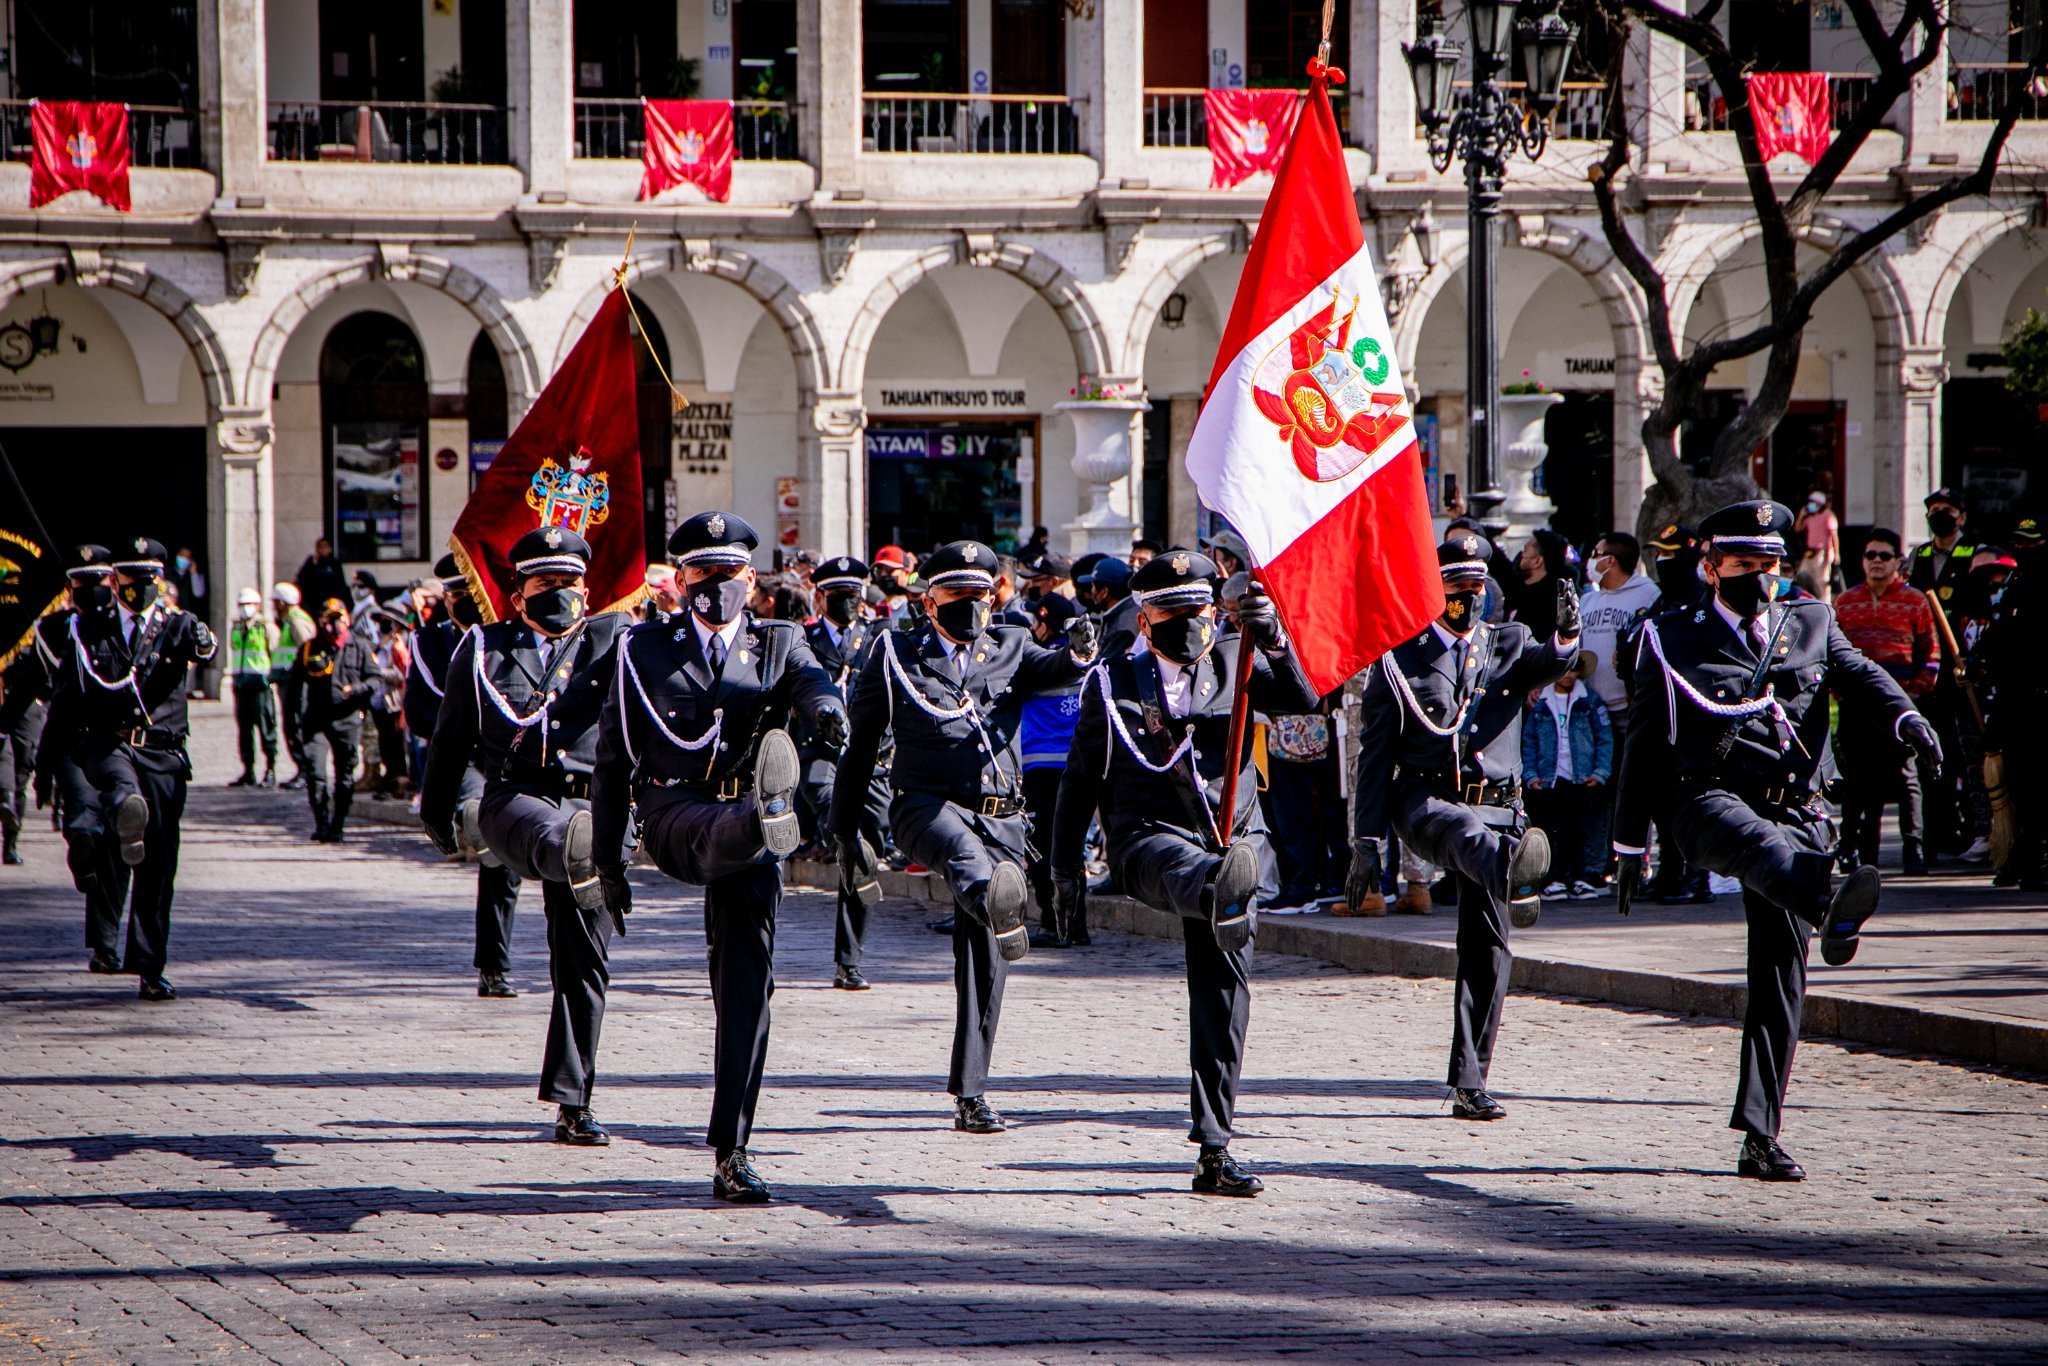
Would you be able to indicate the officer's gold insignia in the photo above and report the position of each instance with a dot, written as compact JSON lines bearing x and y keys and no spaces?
{"x":1454,"y":609}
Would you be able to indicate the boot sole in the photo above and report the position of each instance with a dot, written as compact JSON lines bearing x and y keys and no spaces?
{"x":1007,"y":895}
{"x":1233,"y":1193}
{"x":869,"y":889}
{"x":1755,"y":1171}
{"x":735,"y":1195}
{"x":577,"y":863}
{"x":1531,"y":860}
{"x":1524,"y":912}
{"x":1855,"y":901}
{"x":776,"y":771}
{"x":131,"y":826}
{"x":1230,"y":896}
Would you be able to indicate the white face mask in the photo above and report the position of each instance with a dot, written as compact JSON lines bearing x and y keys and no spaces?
{"x":1602,"y":565}
{"x":247,"y":611}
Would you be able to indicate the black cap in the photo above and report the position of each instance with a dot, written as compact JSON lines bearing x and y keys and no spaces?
{"x":1179,"y":578}
{"x":714,"y":540}
{"x":446,"y":568}
{"x":550,"y":550}
{"x":841,"y":572}
{"x":1463,"y":555}
{"x":1758,"y":526}
{"x":1084,"y":565}
{"x":140,"y":552}
{"x":1953,"y":497}
{"x":2027,"y":533}
{"x":1673,"y":536}
{"x":1111,"y":573}
{"x":1047,"y":564}
{"x":90,"y":559}
{"x":958,"y":564}
{"x":1055,"y":610}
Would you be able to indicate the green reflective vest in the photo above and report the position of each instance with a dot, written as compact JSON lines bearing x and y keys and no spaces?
{"x":298,"y":629}
{"x":252,"y":647}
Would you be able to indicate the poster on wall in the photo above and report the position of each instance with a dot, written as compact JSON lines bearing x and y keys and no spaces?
{"x":788,"y":510}
{"x":376,"y":490}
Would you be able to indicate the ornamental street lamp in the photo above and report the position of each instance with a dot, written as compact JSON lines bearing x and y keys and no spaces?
{"x":1483,"y":132}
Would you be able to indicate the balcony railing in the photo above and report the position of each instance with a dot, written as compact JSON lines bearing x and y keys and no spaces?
{"x":1018,"y":125}
{"x":413,"y":134}
{"x":614,"y":130}
{"x":1707,"y":112}
{"x":1978,"y":92}
{"x":1580,"y":115}
{"x":1177,"y":116}
{"x":160,"y":136}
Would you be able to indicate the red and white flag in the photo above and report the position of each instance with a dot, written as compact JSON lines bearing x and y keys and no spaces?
{"x":1248,"y":132}
{"x":1307,"y":440}
{"x":78,"y":146}
{"x":687,"y":141}
{"x":1794,"y":113}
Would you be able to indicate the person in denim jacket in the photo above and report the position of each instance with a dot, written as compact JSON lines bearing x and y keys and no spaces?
{"x":1567,"y":759}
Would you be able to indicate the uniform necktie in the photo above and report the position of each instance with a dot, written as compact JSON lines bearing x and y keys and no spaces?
{"x":718,"y":652}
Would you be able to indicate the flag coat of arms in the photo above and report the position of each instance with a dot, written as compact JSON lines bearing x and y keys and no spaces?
{"x":1794,"y":113}
{"x":1248,"y":132}
{"x":574,"y":462}
{"x":687,"y":141}
{"x":1306,"y":441}
{"x":78,"y":146}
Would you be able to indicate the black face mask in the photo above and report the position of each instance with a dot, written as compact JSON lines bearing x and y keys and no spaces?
{"x":842,"y":608}
{"x":554,"y":611}
{"x":138,"y":596}
{"x":1746,"y":594}
{"x":963,"y":619}
{"x":1941,"y":523}
{"x":1183,"y":639}
{"x":719,"y":600}
{"x":1461,"y":610}
{"x":464,"y":609}
{"x":96,"y":597}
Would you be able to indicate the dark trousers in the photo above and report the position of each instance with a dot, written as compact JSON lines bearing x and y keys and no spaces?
{"x":159,"y":776}
{"x":255,"y":718}
{"x":1310,"y":828}
{"x":1569,"y":814}
{"x":497,"y":897}
{"x":717,"y":846}
{"x":1782,"y":859}
{"x":528,"y":832}
{"x":331,"y":803}
{"x":392,"y":759}
{"x":288,"y":722}
{"x":1941,"y":793}
{"x":963,"y":847}
{"x":1876,"y":771}
{"x":1474,"y":845}
{"x":18,"y":745}
{"x":1041,"y":796}
{"x":1167,"y":870}
{"x":96,"y":868}
{"x":850,"y":930}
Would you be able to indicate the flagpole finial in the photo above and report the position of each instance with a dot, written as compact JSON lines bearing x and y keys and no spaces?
{"x":625,"y":257}
{"x":1319,"y":69}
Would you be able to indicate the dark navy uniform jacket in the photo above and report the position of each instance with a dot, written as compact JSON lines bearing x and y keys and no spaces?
{"x":329,"y":688}
{"x":426,"y":677}
{"x":664,"y":699}
{"x":1482,"y":706}
{"x":554,"y":755}
{"x":1135,"y":800}
{"x":907,"y":678}
{"x":1695,"y":721}
{"x":105,"y":691}
{"x":29,"y":679}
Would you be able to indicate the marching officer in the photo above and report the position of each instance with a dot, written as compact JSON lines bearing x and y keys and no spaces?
{"x":1152,"y":748}
{"x":117,"y":730}
{"x":1440,"y":756}
{"x":1728,"y":743}
{"x":426,"y":681}
{"x":951,"y":692}
{"x":691,"y":735}
{"x":328,"y":688}
{"x":521,"y":701}
{"x":840,"y":640}
{"x":24,"y":711}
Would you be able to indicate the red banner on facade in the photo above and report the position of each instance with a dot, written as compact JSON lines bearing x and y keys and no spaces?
{"x":78,"y":146}
{"x":574,"y":462}
{"x":1248,"y":132}
{"x":1794,"y":113}
{"x":687,"y":141}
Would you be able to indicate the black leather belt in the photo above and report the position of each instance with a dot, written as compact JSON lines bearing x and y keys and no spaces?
{"x":1476,"y":794}
{"x":556,"y":784}
{"x":1000,"y":806}
{"x":729,"y":789}
{"x":153,"y":737}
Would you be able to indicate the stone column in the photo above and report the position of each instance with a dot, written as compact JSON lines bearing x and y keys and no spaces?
{"x":832,"y":468}
{"x":828,"y":81}
{"x":1638,"y":387}
{"x":540,"y":58}
{"x":1908,"y":403}
{"x":1108,"y":88}
{"x":1382,"y":97}
{"x":1656,"y":95}
{"x":232,"y":97}
{"x":240,"y":505}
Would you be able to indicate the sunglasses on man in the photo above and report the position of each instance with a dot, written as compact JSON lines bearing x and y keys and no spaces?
{"x":1879,"y":555}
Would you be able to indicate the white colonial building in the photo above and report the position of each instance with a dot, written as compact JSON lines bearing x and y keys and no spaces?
{"x":364,"y":235}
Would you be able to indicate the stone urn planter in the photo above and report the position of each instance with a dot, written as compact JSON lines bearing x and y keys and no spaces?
{"x":1522,"y":450}
{"x":1102,"y":456}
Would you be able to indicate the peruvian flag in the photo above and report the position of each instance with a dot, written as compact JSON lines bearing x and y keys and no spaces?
{"x":1248,"y":132}
{"x":78,"y":146}
{"x":1307,"y":441}
{"x":687,"y":140}
{"x":1794,"y":113}
{"x":574,"y":462}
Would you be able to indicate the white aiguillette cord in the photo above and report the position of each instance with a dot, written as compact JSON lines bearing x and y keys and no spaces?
{"x":1732,"y":710}
{"x":630,"y":671}
{"x":86,"y":670}
{"x":485,"y":688}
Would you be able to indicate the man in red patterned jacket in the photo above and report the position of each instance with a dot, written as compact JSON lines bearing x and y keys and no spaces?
{"x":1890,"y":622}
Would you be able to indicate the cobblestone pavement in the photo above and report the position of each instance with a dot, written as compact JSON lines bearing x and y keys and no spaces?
{"x":329,"y":1149}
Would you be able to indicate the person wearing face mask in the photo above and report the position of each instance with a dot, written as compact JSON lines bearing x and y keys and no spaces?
{"x":520,"y":700}
{"x":426,"y":683}
{"x":295,"y":627}
{"x":118,"y":714}
{"x":952,"y":693}
{"x":1440,"y":761}
{"x":2017,"y":708}
{"x":691,"y":735}
{"x":1941,"y":565}
{"x":840,"y":640}
{"x":1152,"y":750}
{"x":327,"y":691}
{"x":1728,"y":746}
{"x":252,"y":640}
{"x":1106,"y":591}
{"x":25,"y":689}
{"x":1675,"y":559}
{"x":1046,"y":571}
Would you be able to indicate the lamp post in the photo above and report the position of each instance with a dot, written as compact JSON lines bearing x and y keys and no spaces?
{"x":1483,"y":134}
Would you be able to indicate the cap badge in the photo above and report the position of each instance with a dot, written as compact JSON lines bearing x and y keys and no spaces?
{"x":1180,"y":564}
{"x":553,"y":537}
{"x":1470,"y":545}
{"x":141,"y":546}
{"x":1763,"y":514}
{"x":715,"y":524}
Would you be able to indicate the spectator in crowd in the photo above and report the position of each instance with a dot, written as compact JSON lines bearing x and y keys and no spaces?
{"x":1305,"y":808}
{"x":364,"y":595}
{"x":1047,"y":572}
{"x":1045,"y":732}
{"x":252,"y":644}
{"x":294,"y":628}
{"x":1819,"y":537}
{"x":1229,"y":551}
{"x":1891,"y":623}
{"x":1567,"y":762}
{"x":664,"y":598}
{"x":1008,"y":599}
{"x":321,"y":577}
{"x":1143,"y":549}
{"x":1035,"y":546}
{"x":188,"y":585}
{"x":387,"y":701}
{"x":1620,"y":596}
{"x":1547,"y":559}
{"x":1940,"y":565}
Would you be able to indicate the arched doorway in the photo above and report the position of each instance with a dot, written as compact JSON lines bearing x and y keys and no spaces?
{"x":1991,"y":440}
{"x":486,"y":404}
{"x":373,"y":418}
{"x":657,"y":421}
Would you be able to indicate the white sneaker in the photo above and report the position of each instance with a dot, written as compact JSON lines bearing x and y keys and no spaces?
{"x":1723,"y":886}
{"x":1583,"y":890}
{"x":1556,"y":890}
{"x":1980,"y":852}
{"x":1310,"y":908}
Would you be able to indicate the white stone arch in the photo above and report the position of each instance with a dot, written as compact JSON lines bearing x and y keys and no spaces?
{"x":1168,"y":278}
{"x":1884,"y":293}
{"x":1961,"y":261}
{"x":523,"y":378}
{"x":767,"y":286}
{"x":91,"y":270}
{"x":1093,"y":355}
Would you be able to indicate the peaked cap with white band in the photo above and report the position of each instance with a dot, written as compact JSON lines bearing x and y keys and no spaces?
{"x":1178,"y":578}
{"x":1759,"y":526}
{"x":713,"y":540}
{"x":959,"y":564}
{"x":550,"y":550}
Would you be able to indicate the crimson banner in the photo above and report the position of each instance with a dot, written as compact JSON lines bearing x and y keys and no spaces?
{"x":1794,"y":113}
{"x":1248,"y":132}
{"x":78,"y":146}
{"x":687,"y":141}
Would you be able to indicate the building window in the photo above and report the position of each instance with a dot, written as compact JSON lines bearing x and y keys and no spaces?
{"x":373,"y":416}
